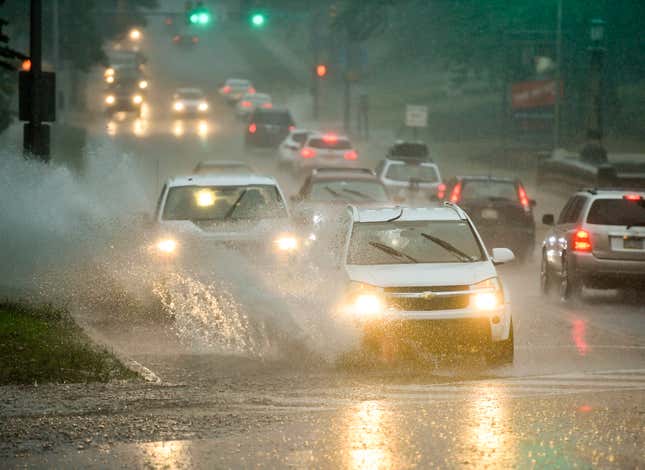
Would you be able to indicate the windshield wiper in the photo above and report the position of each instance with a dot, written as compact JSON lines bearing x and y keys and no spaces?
{"x":449,"y":247}
{"x":233,"y":208}
{"x":358,"y":193}
{"x":391,"y":251}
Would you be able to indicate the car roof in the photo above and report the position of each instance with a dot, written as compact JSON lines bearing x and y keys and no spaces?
{"x":410,"y":161}
{"x":386,"y":214}
{"x":215,"y":179}
{"x":496,"y":179}
{"x":335,"y":170}
{"x":321,"y":135}
{"x":299,"y":130}
{"x":255,"y":96}
{"x":346,"y":176}
{"x":189,"y":90}
{"x":272,"y":111}
{"x":616,"y":193}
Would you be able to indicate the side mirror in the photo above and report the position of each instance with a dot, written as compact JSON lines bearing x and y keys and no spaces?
{"x":548,"y":219}
{"x":502,"y":255}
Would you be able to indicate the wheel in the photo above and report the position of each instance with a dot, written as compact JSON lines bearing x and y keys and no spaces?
{"x":500,"y":353}
{"x":546,"y":276}
{"x":570,"y":286}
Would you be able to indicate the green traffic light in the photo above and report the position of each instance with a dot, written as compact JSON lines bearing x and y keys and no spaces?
{"x":194,"y":18}
{"x":258,"y":19}
{"x":204,"y":18}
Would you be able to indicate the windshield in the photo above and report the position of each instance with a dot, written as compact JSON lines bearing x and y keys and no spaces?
{"x":422,"y":241}
{"x":223,"y":203}
{"x":274,"y":118}
{"x":616,"y":212}
{"x":403,"y":172}
{"x":486,"y":189}
{"x":331,"y":144}
{"x":348,"y":191}
{"x":190,"y":95}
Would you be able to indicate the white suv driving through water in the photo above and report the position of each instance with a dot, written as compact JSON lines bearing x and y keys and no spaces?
{"x":424,"y":275}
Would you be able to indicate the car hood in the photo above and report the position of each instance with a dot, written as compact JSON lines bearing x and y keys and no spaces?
{"x":435,"y":274}
{"x":231,"y":231}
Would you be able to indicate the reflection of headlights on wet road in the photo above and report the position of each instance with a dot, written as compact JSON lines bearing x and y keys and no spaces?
{"x":202,"y":128}
{"x":166,"y":246}
{"x":139,"y":127}
{"x":178,"y":129}
{"x":286,"y":243}
{"x":178,"y":106}
{"x":203,"y":106}
{"x":112,"y":128}
{"x":137,"y":99}
{"x":110,"y":99}
{"x":488,"y":295}
{"x":109,"y":79}
{"x":363,"y":301}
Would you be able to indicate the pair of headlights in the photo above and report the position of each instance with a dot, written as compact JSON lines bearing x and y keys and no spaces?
{"x":180,"y":106}
{"x":366,"y":301}
{"x":283,"y":244}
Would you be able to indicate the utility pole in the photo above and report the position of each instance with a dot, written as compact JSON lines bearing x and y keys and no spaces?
{"x":597,"y":50}
{"x":558,"y":77}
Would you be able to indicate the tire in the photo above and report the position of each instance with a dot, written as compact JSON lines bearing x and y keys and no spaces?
{"x":546,"y":276}
{"x":501,"y":353}
{"x":570,"y":286}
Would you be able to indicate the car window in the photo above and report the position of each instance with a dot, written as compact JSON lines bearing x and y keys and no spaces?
{"x":190,"y":95}
{"x":616,"y":212}
{"x":223,"y":203}
{"x":404,"y":172}
{"x":330,"y":144}
{"x":488,"y":189}
{"x":423,"y":241}
{"x":409,"y":149}
{"x":299,"y":137}
{"x":348,"y":191}
{"x":571,"y":213}
{"x":277,"y":119}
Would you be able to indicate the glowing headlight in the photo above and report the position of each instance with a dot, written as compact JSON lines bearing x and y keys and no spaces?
{"x":110,"y":99}
{"x":109,"y":79}
{"x":168,"y":246}
{"x":487,"y":295}
{"x":203,"y":106}
{"x":143,"y":84}
{"x":286,"y":243}
{"x":135,"y":34}
{"x":137,"y":99}
{"x":178,"y":106}
{"x":109,"y":72}
{"x":364,"y":300}
{"x":205,"y":198}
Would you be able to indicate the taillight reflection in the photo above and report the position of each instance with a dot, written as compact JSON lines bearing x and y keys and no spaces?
{"x":351,"y":155}
{"x":455,"y":194}
{"x":307,"y":153}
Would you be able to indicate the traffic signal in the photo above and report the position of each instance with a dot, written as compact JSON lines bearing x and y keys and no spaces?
{"x":321,"y":70}
{"x":258,"y":20}
{"x":200,"y":15}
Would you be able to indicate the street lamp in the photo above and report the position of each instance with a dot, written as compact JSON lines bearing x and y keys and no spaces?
{"x":597,"y":36}
{"x":597,"y":31}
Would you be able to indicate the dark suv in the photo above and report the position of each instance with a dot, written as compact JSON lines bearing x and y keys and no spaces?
{"x":500,"y":208}
{"x":268,"y":127}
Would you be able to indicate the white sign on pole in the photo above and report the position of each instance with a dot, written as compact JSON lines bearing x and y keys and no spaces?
{"x":416,"y":116}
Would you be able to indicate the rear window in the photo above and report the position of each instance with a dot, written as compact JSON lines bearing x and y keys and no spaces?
{"x":489,"y":190}
{"x":275,"y":118}
{"x":421,"y":173}
{"x":337,"y":144}
{"x":616,"y":212}
{"x":238,"y":83}
{"x":414,"y":150}
{"x":299,"y":137}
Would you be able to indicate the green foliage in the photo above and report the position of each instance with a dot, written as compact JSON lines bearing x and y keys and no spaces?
{"x":45,"y":345}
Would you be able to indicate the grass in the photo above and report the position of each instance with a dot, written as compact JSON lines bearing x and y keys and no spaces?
{"x":43,"y":344}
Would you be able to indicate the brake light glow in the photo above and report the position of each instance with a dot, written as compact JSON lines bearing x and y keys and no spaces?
{"x":441,"y":191}
{"x":633,"y":197}
{"x":252,"y":128}
{"x":292,"y":128}
{"x":195,"y":39}
{"x":251,"y":91}
{"x":582,"y":241}
{"x":226,"y":89}
{"x":330,"y":138}
{"x":267,"y":105}
{"x":524,"y":199}
{"x":307,"y":152}
{"x":455,"y":194}
{"x":176,"y":38}
{"x":351,"y":155}
{"x":246,"y":104}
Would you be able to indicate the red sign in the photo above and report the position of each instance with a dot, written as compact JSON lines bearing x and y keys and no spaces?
{"x":533,"y":94}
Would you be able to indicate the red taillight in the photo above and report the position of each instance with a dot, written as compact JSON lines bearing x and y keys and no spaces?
{"x":581,"y":241}
{"x":292,"y":128}
{"x":633,"y":197}
{"x":351,"y":155}
{"x":252,"y":128}
{"x":226,"y":89}
{"x":307,"y":153}
{"x":176,"y":38}
{"x":251,"y":91}
{"x":524,"y":199}
{"x":330,"y":138}
{"x":455,"y":194}
{"x":267,"y":105}
{"x":246,"y":104}
{"x":195,"y":39}
{"x":441,"y":191}
{"x":168,"y":21}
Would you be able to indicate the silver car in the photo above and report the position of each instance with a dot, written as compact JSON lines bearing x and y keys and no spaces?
{"x":598,"y":241}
